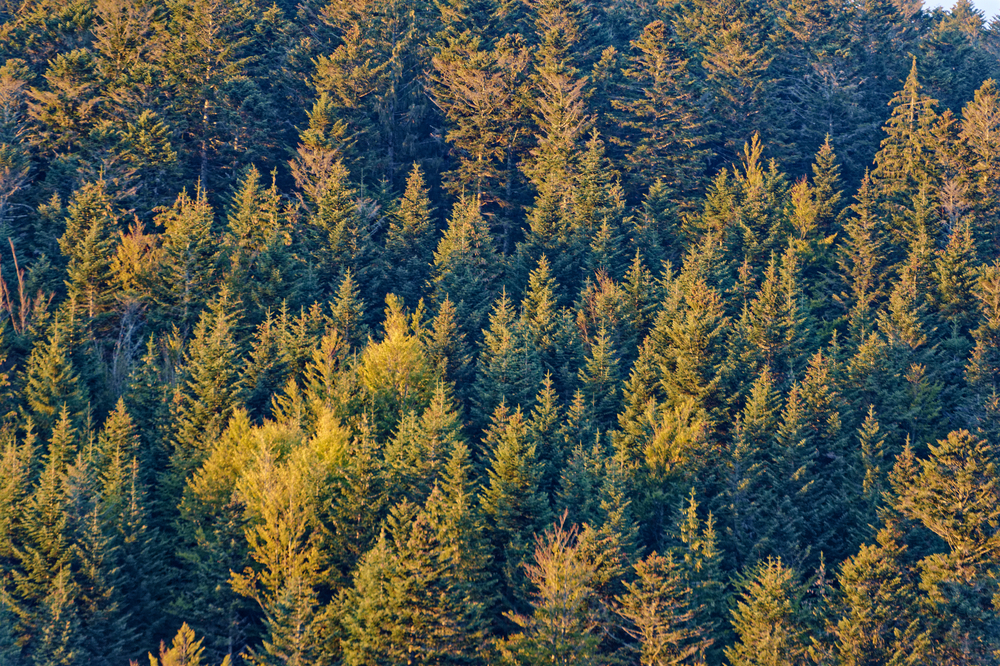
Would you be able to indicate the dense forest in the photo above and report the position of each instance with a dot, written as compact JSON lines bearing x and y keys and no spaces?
{"x":522,"y":332}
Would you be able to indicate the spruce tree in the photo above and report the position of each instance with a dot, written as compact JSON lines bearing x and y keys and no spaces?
{"x":906,"y":158}
{"x":862,"y":263}
{"x":52,"y":383}
{"x":513,"y":501}
{"x":661,"y":126}
{"x":409,"y":244}
{"x":210,"y":387}
{"x":88,"y":244}
{"x":467,"y":267}
{"x":187,"y":266}
{"x":563,"y":626}
{"x":395,"y":375}
{"x":769,"y":618}
{"x":877,"y":610}
{"x":659,"y":616}
{"x":508,"y":369}
{"x":420,"y":595}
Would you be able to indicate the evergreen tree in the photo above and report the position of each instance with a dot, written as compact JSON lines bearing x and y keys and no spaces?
{"x":563,"y":627}
{"x":483,"y":91}
{"x":44,"y":594}
{"x":977,"y":136}
{"x":877,"y":623}
{"x":419,"y":594}
{"x":906,"y":159}
{"x":88,"y":244}
{"x":210,"y":387}
{"x":662,"y":128}
{"x":187,"y":267}
{"x":366,"y":72}
{"x":599,"y":381}
{"x":657,"y":608}
{"x":954,"y":495}
{"x":769,"y":619}
{"x":467,"y":267}
{"x":52,"y":383}
{"x":185,"y":650}
{"x":409,"y":243}
{"x":395,"y":375}
{"x":512,"y":500}
{"x":862,"y":263}
{"x":206,"y":56}
{"x":419,"y":451}
{"x":508,"y":369}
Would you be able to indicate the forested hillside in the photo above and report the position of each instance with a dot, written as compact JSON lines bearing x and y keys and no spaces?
{"x":508,"y":332}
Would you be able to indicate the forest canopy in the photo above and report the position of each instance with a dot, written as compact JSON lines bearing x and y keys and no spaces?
{"x":519,"y":332}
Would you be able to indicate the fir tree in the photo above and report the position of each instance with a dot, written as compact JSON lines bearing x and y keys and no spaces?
{"x":88,"y":244}
{"x":210,"y":388}
{"x":508,"y":369}
{"x":52,"y":383}
{"x":663,"y":131}
{"x":409,"y":243}
{"x":467,"y":268}
{"x":187,"y":266}
{"x":512,"y":500}
{"x":769,"y":618}
{"x":906,"y":159}
{"x":562,"y":628}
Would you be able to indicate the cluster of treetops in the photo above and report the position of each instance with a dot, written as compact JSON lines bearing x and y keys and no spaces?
{"x":499,"y":332}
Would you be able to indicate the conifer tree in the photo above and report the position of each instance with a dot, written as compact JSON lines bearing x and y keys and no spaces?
{"x":52,"y":383}
{"x":733,"y":55}
{"x":260,"y":269}
{"x":662,"y":128}
{"x":599,"y":381}
{"x":187,"y":264}
{"x":88,"y":245}
{"x":906,"y":158}
{"x":348,"y":312}
{"x":67,"y":111}
{"x":334,"y":234}
{"x":770,"y":619}
{"x":862,"y":263}
{"x":657,"y":608}
{"x":467,"y":267}
{"x":689,"y":346}
{"x":955,"y":280}
{"x":44,"y":594}
{"x":419,"y":595}
{"x":284,"y":545}
{"x":978,"y":120}
{"x":508,"y":369}
{"x":395,"y":374}
{"x":375,"y":114}
{"x":185,"y":650}
{"x":563,"y":627}
{"x":206,"y":54}
{"x":543,"y":430}
{"x":984,"y":365}
{"x":954,"y":495}
{"x":761,"y":519}
{"x":483,"y":90}
{"x":266,"y":370}
{"x":419,"y":451}
{"x":640,"y":394}
{"x":210,"y":386}
{"x":877,"y":623}
{"x":409,"y":243}
{"x":512,"y":500}
{"x":447,"y":347}
{"x":560,"y":115}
